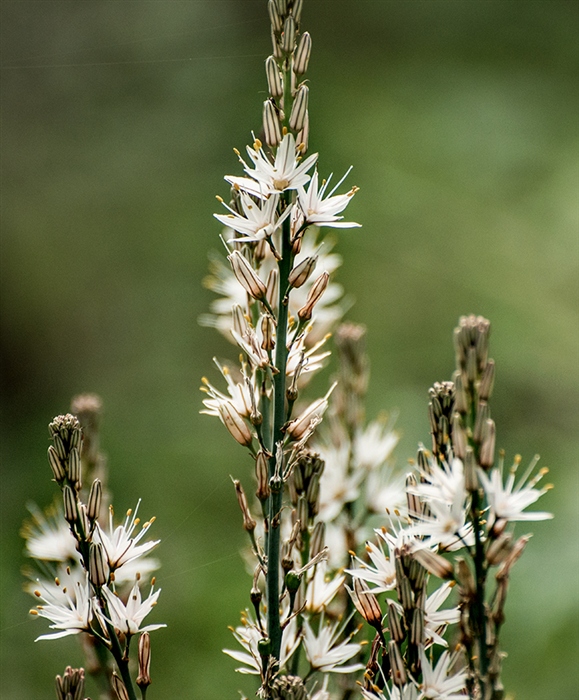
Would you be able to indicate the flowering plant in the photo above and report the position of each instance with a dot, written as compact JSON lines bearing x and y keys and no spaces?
{"x":344,"y":549}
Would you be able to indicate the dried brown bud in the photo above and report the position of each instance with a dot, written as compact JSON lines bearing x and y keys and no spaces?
{"x":248,"y":522}
{"x":314,"y":295}
{"x":144,"y":677}
{"x":119,"y":688}
{"x":366,"y":604}
{"x":434,"y":563}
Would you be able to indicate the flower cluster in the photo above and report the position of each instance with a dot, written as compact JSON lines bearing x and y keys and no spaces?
{"x":91,"y":574}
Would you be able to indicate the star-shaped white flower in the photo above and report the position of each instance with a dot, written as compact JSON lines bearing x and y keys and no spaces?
{"x":324,"y":654}
{"x":127,"y":617}
{"x":69,"y":611}
{"x":287,"y":172}
{"x":321,"y":590}
{"x":508,"y":501}
{"x":324,"y":211}
{"x":119,"y":544}
{"x":257,"y":221}
{"x":436,"y":683}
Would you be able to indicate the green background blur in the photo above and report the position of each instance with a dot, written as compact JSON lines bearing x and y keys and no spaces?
{"x":461,"y":120}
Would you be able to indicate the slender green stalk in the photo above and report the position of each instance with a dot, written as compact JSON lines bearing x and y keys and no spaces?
{"x":279,"y":418}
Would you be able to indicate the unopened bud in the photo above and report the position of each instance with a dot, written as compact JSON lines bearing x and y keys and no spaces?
{"x":274,"y":80}
{"x":98,"y":567}
{"x":318,"y":538}
{"x":69,"y":501}
{"x":302,"y":54}
{"x":272,"y":287}
{"x":499,"y":549}
{"x":301,"y":273}
{"x":119,"y":688}
{"x":74,"y":467}
{"x":366,"y":604}
{"x":299,"y":108}
{"x":397,"y":632}
{"x":70,"y":686}
{"x":56,"y":465}
{"x":233,"y":421}
{"x":297,"y":9}
{"x":412,"y":500}
{"x":512,"y":557}
{"x":465,"y":579}
{"x":93,"y":505}
{"x":487,"y":450}
{"x":144,"y":677}
{"x":246,"y":275}
{"x":267,"y":332}
{"x":459,"y":440}
{"x":274,"y":17}
{"x":399,"y":677}
{"x":483,"y":413}
{"x":292,"y":581}
{"x":262,"y":475}
{"x":434,"y":563}
{"x":417,"y":627}
{"x":487,"y":381}
{"x":271,"y":127}
{"x":460,"y":400}
{"x":470,"y":475}
{"x":314,"y":295}
{"x":289,"y":35}
{"x":248,"y":522}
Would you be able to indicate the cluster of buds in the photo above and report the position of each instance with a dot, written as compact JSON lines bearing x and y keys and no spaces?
{"x":70,"y":686}
{"x":291,"y":54}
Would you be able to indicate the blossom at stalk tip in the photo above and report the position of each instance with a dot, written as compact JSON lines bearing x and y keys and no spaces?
{"x":508,"y":501}
{"x":127,"y":617}
{"x":287,"y":172}
{"x":324,"y":654}
{"x":324,"y":211}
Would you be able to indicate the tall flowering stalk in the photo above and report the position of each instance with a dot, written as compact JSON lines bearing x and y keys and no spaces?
{"x":88,"y":578}
{"x":283,"y":306}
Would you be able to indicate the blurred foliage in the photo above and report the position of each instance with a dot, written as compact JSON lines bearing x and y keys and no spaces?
{"x":460,"y":117}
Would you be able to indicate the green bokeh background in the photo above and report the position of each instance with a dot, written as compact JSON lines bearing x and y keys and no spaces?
{"x":461,"y":119}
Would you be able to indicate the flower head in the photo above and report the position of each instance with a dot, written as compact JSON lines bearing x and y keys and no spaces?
{"x":127,"y":617}
{"x":324,"y":211}
{"x":324,"y":654}
{"x":69,"y":609}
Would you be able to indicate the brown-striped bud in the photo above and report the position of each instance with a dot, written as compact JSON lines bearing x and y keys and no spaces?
{"x":272,"y":287}
{"x":267,"y":332}
{"x":233,"y":421}
{"x":274,"y":79}
{"x":301,"y":273}
{"x":274,"y":17}
{"x":69,"y":501}
{"x":487,"y":381}
{"x":271,"y":126}
{"x":314,"y":295}
{"x":470,"y":475}
{"x":119,"y":688}
{"x":397,"y":632}
{"x":93,"y":505}
{"x":262,"y":475}
{"x":299,"y":108}
{"x":248,"y":522}
{"x":318,"y":538}
{"x":459,"y":440}
{"x":74,"y":467}
{"x":288,"y":38}
{"x":483,"y":413}
{"x":412,"y":500}
{"x":399,"y":676}
{"x":246,"y":275}
{"x":434,"y":563}
{"x":417,"y":627}
{"x":302,"y":54}
{"x":98,"y":567}
{"x":70,"y":686}
{"x":465,"y":579}
{"x":56,"y":465}
{"x":487,"y":450}
{"x":366,"y":604}
{"x":144,"y":677}
{"x":499,"y":549}
{"x":460,"y":400}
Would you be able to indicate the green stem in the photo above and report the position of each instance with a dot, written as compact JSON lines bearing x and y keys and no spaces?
{"x":279,"y":418}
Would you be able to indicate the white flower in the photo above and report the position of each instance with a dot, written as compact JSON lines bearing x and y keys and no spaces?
{"x":249,"y":635}
{"x":119,"y":544}
{"x":49,"y":538}
{"x":244,"y":395}
{"x":385,"y":491}
{"x":337,"y":485}
{"x":285,"y":173}
{"x":323,"y":212}
{"x":374,"y":445}
{"x":437,"y":684}
{"x":70,"y":610}
{"x":258,"y":221}
{"x":435,"y":620}
{"x":127,"y":618}
{"x":407,"y":692}
{"x":509,"y":501}
{"x":321,"y":589}
{"x":324,"y":654}
{"x":443,"y":483}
